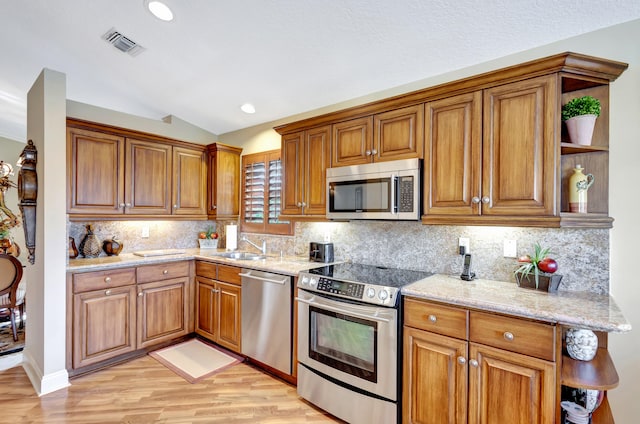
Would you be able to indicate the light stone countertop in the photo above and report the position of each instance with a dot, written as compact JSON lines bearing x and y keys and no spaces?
{"x":288,"y":265}
{"x":575,"y":309}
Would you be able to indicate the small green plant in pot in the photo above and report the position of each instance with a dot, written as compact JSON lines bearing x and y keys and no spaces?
{"x":580,"y":116}
{"x":537,"y":270}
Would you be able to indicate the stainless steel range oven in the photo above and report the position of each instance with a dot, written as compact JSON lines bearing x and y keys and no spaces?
{"x":349,"y":350}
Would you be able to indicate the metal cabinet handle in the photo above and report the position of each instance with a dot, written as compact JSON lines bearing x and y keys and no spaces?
{"x":214,"y":207}
{"x":475,"y":199}
{"x":140,"y":294}
{"x":485,"y":199}
{"x":121,"y":205}
{"x":433,"y":318}
{"x":508,"y":336}
{"x":107,"y":279}
{"x":107,"y":292}
{"x":304,"y":204}
{"x":374,"y":152}
{"x":299,"y":204}
{"x":473,"y":363}
{"x":165,"y":272}
{"x":368,"y":152}
{"x":462,"y":360}
{"x":215,"y":291}
{"x":175,"y":206}
{"x":128,"y":205}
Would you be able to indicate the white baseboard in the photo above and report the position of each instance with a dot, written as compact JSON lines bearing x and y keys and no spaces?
{"x":43,"y":384}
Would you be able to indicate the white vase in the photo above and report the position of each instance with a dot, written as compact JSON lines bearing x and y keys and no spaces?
{"x":581,"y":129}
{"x":581,"y":344}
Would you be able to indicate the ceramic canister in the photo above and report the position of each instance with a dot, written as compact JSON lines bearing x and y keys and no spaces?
{"x":579,"y":183}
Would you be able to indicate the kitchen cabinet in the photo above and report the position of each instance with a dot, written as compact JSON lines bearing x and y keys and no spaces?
{"x":390,"y":135}
{"x":164,"y":302}
{"x":469,"y":366}
{"x":103,"y":316}
{"x":115,"y":314}
{"x":305,"y":159}
{"x":223,"y":194}
{"x":116,"y":174}
{"x":218,"y":303}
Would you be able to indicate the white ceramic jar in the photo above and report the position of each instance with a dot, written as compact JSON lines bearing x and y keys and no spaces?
{"x":582,"y":344}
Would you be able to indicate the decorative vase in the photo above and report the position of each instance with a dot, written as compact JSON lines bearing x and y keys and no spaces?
{"x":582,"y":344}
{"x":73,"y":250}
{"x":90,"y":245}
{"x":579,"y":183}
{"x":546,"y":282}
{"x":112,"y":247}
{"x":580,"y":129}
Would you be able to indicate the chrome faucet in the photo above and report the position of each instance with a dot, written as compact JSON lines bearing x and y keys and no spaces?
{"x":262,"y":249}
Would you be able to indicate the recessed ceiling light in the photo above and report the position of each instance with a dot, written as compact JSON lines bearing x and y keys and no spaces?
{"x":159,"y":10}
{"x":248,"y":108}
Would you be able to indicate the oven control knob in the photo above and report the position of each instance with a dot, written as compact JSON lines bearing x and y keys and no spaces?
{"x":371,"y":292}
{"x":383,"y":295}
{"x":305,"y":280}
{"x":313,"y":282}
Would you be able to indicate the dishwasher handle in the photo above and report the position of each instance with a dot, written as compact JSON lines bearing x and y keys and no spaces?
{"x":266,"y":280}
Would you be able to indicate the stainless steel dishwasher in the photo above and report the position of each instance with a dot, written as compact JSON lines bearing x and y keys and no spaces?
{"x":266,"y":318}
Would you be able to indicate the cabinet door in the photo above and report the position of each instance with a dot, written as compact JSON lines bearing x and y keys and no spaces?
{"x":435,"y":379}
{"x":189,"y":182}
{"x":147,"y":178}
{"x":95,"y":172}
{"x":206,"y":302}
{"x":398,"y":134}
{"x":293,"y":153}
{"x":508,"y":387}
{"x":224,"y":182}
{"x":519,"y":148}
{"x":163,"y":309}
{"x":317,"y":155}
{"x":103,"y":325}
{"x":453,"y":155}
{"x":229,"y":325}
{"x":352,"y":142}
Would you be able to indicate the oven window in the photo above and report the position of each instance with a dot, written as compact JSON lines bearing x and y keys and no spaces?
{"x":346,"y":343}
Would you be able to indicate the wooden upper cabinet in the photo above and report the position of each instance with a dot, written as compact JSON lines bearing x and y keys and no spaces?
{"x":453,"y":154}
{"x":95,"y":172}
{"x":147,"y":178}
{"x":189,"y":181}
{"x":398,"y":134}
{"x":305,"y":159}
{"x":223,"y":194}
{"x":352,"y":142}
{"x":519,"y":148}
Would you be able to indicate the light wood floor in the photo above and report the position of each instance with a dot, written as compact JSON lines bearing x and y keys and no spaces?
{"x":143,"y":391}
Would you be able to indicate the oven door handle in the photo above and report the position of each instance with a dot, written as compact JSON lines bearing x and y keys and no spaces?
{"x":341,"y":311}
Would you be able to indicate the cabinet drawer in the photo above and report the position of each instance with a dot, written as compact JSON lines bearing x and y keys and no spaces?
{"x":163,"y":271}
{"x":513,"y":334}
{"x":229,"y":274}
{"x":206,"y":269}
{"x":99,"y":280}
{"x":445,"y":320}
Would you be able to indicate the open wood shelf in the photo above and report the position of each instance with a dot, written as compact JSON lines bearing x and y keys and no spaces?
{"x":572,"y":148}
{"x":598,"y":374}
{"x":603,"y":414}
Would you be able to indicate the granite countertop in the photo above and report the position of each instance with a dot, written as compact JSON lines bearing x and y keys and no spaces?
{"x":288,"y":265}
{"x":577,"y":309}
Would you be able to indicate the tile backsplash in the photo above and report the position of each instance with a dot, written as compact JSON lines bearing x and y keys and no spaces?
{"x":582,"y":254}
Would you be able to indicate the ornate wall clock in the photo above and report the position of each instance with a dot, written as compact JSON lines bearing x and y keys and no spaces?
{"x":27,"y":195}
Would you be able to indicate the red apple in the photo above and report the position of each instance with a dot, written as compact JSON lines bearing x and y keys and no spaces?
{"x":525,"y":258}
{"x":548,"y":265}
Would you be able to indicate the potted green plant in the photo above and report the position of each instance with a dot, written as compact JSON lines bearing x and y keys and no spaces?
{"x":538,"y":270}
{"x":580,"y":116}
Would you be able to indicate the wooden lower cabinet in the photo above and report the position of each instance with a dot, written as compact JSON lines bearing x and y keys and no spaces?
{"x":103,"y":324}
{"x":162,"y":311}
{"x":219,"y":305}
{"x":454,"y":379}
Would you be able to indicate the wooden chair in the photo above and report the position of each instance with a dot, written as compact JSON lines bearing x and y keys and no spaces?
{"x":11,"y":296}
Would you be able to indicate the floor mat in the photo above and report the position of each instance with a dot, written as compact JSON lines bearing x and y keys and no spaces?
{"x":195,"y":360}
{"x":7,"y":345}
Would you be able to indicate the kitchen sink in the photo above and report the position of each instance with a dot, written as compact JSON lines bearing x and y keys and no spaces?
{"x":246,"y":256}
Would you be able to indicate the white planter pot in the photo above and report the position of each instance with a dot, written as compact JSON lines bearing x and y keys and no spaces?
{"x":581,"y":129}
{"x":581,"y":344}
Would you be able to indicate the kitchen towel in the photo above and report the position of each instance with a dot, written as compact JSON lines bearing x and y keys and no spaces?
{"x":231,"y":232}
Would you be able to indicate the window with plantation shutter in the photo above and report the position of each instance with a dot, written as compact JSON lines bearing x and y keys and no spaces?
{"x":261,"y":194}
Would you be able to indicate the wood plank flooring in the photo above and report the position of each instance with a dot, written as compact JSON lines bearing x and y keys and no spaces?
{"x":144,"y":391}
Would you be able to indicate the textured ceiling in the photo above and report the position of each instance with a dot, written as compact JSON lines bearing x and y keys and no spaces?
{"x":284,"y":56}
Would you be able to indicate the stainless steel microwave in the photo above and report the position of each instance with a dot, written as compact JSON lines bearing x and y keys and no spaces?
{"x":381,"y":190}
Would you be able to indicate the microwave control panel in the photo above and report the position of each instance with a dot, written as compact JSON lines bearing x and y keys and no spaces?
{"x":405,"y":194}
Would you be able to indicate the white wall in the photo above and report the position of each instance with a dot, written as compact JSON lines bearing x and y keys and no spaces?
{"x":618,"y":43}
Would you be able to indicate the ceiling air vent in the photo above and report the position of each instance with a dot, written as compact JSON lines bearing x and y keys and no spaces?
{"x":122,"y":43}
